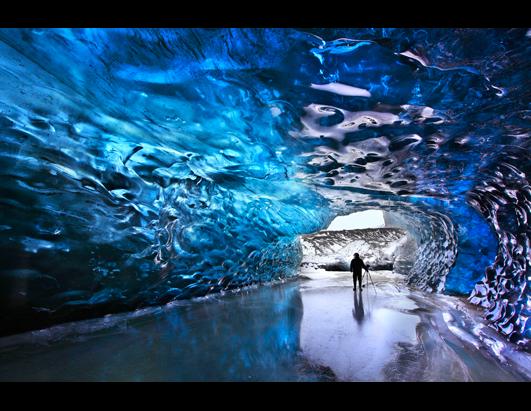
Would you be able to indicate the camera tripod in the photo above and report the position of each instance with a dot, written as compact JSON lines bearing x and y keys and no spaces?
{"x":369,"y":277}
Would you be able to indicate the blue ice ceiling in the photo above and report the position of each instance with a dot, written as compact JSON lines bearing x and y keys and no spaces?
{"x":141,"y":166}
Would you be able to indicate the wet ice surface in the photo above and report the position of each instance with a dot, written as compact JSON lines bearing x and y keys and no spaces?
{"x":355,"y":334}
{"x":393,"y":333}
{"x":311,"y":329}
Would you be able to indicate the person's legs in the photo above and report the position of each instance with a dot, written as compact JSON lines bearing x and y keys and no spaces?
{"x":356,"y":278}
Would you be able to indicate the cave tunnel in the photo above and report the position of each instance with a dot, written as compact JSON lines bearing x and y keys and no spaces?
{"x":149,"y":167}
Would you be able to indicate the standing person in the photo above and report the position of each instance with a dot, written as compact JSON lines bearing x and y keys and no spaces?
{"x":356,"y":265}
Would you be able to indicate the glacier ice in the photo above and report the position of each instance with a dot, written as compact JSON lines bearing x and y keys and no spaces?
{"x":381,"y":248}
{"x":146,"y":165}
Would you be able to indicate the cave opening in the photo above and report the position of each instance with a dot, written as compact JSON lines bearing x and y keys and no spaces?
{"x":381,"y":242}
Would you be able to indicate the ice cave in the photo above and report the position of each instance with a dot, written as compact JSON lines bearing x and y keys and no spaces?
{"x":166,"y":195}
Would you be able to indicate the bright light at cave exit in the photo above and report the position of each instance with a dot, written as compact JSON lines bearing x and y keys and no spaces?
{"x":354,"y":221}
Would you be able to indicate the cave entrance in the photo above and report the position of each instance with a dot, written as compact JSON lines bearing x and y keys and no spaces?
{"x":374,"y":234}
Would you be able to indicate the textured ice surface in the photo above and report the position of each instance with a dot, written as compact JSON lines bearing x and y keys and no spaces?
{"x":302,"y":330}
{"x":141,"y":166}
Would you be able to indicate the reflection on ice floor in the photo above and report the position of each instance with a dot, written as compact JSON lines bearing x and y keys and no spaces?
{"x":393,"y":333}
{"x":311,"y":329}
{"x":354,"y":333}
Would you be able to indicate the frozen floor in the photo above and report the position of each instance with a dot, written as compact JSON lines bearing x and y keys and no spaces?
{"x":314,"y":328}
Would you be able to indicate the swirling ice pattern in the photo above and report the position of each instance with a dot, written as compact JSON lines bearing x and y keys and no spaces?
{"x":505,"y":200}
{"x":140,"y":166}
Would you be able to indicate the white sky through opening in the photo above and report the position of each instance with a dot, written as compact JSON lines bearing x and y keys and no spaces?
{"x":355,"y":221}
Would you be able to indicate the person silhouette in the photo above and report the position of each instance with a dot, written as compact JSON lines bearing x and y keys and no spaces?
{"x":356,"y":265}
{"x":358,"y":312}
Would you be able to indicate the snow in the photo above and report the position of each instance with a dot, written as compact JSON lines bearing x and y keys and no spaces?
{"x":375,"y":247}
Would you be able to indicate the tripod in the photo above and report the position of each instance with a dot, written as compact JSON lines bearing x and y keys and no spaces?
{"x":369,"y":277}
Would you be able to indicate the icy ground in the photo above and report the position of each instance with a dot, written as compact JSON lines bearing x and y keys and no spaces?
{"x":310,"y":329}
{"x":393,"y":333}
